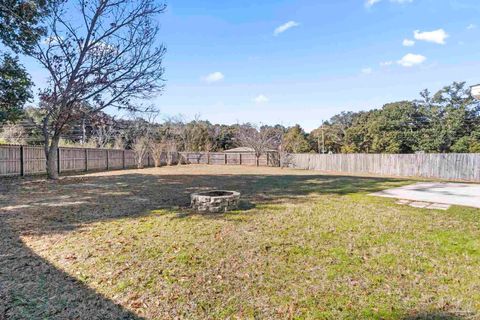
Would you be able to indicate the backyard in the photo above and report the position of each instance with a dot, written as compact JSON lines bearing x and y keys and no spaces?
{"x":124,"y":245}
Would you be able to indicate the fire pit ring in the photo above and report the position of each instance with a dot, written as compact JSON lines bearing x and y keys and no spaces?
{"x":215,"y":201}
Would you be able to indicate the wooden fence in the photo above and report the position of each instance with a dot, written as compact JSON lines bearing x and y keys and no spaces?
{"x":270,"y":159}
{"x":27,"y":160}
{"x":450,"y":166}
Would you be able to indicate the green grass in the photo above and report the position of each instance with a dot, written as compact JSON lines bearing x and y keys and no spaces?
{"x":303,"y":246}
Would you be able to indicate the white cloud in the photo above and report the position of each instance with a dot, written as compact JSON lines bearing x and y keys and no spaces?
{"x":103,"y":48}
{"x":410,"y":60}
{"x":261,"y":99}
{"x":370,"y":3}
{"x":367,"y":70}
{"x":436,"y":36}
{"x":408,"y":43}
{"x":284,"y":27}
{"x":213,"y":77}
{"x":386,"y":63}
{"x":471,"y":26}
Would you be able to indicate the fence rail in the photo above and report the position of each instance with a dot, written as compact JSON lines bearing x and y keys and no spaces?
{"x":450,"y":166}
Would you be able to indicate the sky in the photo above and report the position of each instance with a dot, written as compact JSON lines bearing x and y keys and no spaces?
{"x":303,"y":61}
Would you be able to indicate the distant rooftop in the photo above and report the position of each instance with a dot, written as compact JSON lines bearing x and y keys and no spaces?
{"x":243,"y":150}
{"x":240,"y":149}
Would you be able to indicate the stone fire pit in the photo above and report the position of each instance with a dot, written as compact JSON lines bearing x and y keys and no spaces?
{"x":215,"y":201}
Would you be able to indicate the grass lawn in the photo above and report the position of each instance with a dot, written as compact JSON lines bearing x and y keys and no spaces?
{"x":123,"y":245}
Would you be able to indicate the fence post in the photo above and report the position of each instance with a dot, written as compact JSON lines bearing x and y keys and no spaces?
{"x":123,"y":159}
{"x":22,"y":161}
{"x":86,"y":159}
{"x":108,"y":165}
{"x":240,"y":159}
{"x":226,"y":161}
{"x":58,"y":161}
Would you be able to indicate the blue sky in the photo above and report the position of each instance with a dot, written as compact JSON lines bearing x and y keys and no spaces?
{"x":226,"y":63}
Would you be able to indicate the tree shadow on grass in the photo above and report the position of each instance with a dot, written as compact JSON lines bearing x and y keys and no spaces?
{"x":32,"y":287}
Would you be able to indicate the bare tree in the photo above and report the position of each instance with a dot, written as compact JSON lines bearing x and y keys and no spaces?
{"x":13,"y":134}
{"x":259,"y":139}
{"x":103,"y":134}
{"x":140,"y":148}
{"x":144,"y":130}
{"x":176,"y":131}
{"x":157,"y":149}
{"x":171,"y":150}
{"x":118,"y":142}
{"x":107,"y":56}
{"x":213,"y":135}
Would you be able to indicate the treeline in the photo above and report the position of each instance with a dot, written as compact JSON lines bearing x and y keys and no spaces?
{"x":101,"y":130}
{"x":447,"y":121}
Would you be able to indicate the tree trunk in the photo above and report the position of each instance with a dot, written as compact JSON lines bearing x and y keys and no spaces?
{"x":84,"y":132}
{"x":140,"y":163}
{"x":258,"y":160}
{"x":156,"y":161}
{"x":51,"y":155}
{"x":140,"y":158}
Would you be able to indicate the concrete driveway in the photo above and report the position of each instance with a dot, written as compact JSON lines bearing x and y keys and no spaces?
{"x":462,"y":194}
